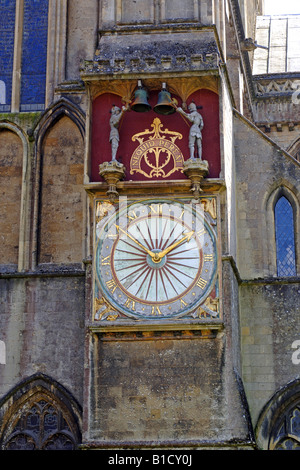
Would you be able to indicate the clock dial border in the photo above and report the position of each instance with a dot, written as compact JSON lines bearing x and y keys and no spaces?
{"x":119,"y":301}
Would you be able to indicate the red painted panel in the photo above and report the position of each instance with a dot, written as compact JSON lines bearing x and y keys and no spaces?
{"x":133,"y":123}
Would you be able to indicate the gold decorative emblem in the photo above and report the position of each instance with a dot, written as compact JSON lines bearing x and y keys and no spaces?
{"x":158,"y":156}
{"x":102,"y":209}
{"x":104,"y":311}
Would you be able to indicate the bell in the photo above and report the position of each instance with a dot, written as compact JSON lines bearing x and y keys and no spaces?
{"x":165,"y":104}
{"x":140,"y":104}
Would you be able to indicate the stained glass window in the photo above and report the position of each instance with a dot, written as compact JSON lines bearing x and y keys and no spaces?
{"x":41,"y":427}
{"x":288,"y":436}
{"x":285,"y":238}
{"x":7,"y":33}
{"x":34,"y":55}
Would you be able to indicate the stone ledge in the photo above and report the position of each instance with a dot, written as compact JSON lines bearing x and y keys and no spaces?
{"x":160,"y":329}
{"x":156,"y":335}
{"x":162,"y":186}
{"x":50,"y":271}
{"x":276,"y":85}
{"x":233,"y":444}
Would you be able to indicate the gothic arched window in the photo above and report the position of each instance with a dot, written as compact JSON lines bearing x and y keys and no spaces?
{"x":39,"y":414}
{"x":285,"y":238}
{"x":278,"y":427}
{"x":42,"y":426}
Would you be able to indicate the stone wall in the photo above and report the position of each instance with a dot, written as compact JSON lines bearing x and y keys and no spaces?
{"x":261,"y":168}
{"x":42,"y":315}
{"x":129,"y":12}
{"x":269,"y":312}
{"x":82,"y":29}
{"x":42,"y":326}
{"x":170,"y":387}
{"x":270,"y":323}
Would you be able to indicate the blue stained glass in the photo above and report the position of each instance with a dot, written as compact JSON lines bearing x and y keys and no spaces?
{"x":285,"y":238}
{"x":7,"y":33}
{"x":34,"y":53}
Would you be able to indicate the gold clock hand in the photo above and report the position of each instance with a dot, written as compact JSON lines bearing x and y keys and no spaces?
{"x":161,"y":254}
{"x":137,"y":242}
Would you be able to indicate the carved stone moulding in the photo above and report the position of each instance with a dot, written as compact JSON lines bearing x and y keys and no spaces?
{"x":183,"y":87}
{"x":150,"y":64}
{"x":276,"y":84}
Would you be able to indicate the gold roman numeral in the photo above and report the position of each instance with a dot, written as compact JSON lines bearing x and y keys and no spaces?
{"x":201,"y":232}
{"x":132,"y":215}
{"x":111,"y":285}
{"x":208,"y":257}
{"x":155,"y":310}
{"x":156,"y":209}
{"x":201,"y":283}
{"x":105,"y":261}
{"x":130,"y":304}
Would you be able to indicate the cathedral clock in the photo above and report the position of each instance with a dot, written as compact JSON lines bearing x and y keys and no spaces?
{"x":154,"y":259}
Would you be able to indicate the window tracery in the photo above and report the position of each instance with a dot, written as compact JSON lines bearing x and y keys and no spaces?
{"x":288,"y":434}
{"x":42,"y":426}
{"x":39,"y":414}
{"x":278,"y":427}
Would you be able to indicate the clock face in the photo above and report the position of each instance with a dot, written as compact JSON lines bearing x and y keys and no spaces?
{"x":156,"y":259}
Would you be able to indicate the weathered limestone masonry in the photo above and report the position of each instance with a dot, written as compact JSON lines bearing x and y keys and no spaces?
{"x":269,"y":331}
{"x":76,"y":344}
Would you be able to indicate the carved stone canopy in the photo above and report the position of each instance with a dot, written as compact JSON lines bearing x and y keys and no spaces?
{"x":183,"y":87}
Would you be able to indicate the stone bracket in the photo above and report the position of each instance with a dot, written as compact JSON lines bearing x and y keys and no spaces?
{"x":112,"y":172}
{"x":196,"y":169}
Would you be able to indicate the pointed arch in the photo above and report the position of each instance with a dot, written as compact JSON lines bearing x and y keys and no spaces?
{"x":40,"y":414}
{"x":55,"y":112}
{"x":53,"y":115}
{"x":273,"y":253}
{"x":285,"y":237}
{"x":294,"y":149}
{"x":23,"y":203}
